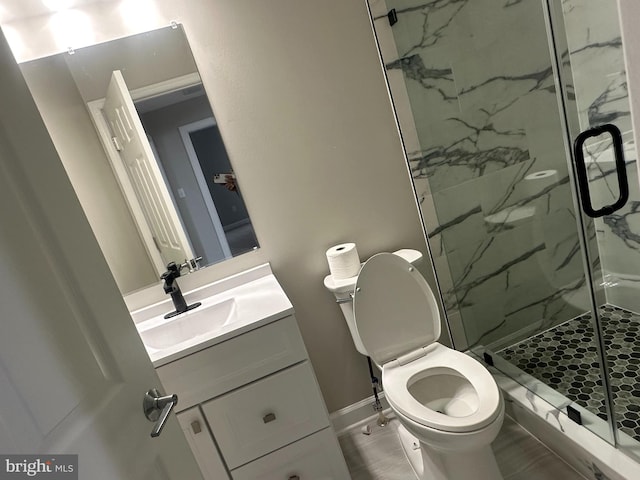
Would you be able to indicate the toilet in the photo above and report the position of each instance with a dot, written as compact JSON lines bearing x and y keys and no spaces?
{"x":448,"y":405}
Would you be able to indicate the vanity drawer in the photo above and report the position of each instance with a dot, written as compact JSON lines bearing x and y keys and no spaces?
{"x":266,"y":415}
{"x":317,"y":457}
{"x":235,"y":362}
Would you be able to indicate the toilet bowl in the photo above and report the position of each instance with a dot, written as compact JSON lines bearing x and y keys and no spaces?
{"x":448,"y":405}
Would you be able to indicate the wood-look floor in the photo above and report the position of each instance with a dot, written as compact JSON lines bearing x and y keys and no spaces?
{"x":520,"y":456}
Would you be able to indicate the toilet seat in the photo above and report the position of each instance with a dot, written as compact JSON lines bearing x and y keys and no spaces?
{"x":395,"y":310}
{"x":439,"y":360}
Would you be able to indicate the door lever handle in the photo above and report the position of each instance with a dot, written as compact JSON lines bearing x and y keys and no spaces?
{"x":157,"y":409}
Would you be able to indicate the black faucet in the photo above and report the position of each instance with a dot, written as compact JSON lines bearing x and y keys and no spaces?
{"x":171,"y":287}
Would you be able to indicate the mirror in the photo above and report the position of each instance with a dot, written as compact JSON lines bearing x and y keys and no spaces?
{"x":159,"y":137}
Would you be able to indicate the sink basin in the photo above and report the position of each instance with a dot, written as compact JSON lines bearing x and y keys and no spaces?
{"x":230,"y":307}
{"x":175,"y":331}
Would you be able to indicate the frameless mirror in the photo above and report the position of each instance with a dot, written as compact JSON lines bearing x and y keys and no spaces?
{"x":160,"y":138}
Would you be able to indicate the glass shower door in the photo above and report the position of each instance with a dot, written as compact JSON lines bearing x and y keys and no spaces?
{"x":474,"y":86}
{"x":594,"y":89}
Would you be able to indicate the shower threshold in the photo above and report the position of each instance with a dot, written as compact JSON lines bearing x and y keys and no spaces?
{"x":565,"y":358}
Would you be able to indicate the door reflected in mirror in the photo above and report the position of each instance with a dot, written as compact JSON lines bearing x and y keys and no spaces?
{"x":161,"y":139}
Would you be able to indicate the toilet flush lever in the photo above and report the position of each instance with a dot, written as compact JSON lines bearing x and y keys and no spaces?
{"x":157,"y":409}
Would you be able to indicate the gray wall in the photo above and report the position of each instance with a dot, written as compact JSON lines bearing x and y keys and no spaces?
{"x":303,"y":108}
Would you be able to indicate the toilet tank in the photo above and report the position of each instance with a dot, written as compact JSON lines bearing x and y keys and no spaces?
{"x":343,"y":288}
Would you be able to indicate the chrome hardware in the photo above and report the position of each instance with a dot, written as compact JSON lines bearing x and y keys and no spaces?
{"x":194,"y":265}
{"x":347,"y":300}
{"x":191,"y":264}
{"x":195,"y":427}
{"x":269,"y":417}
{"x":157,"y":409}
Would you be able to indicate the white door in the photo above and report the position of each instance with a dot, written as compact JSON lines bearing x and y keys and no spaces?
{"x":144,"y":173}
{"x":73,"y":370}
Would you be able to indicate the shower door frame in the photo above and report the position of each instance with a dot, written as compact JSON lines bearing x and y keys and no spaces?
{"x":554,"y":21}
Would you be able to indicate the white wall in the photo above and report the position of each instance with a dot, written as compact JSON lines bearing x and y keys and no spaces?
{"x":303,"y":108}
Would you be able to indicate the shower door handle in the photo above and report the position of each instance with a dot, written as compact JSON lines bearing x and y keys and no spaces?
{"x":581,"y":170}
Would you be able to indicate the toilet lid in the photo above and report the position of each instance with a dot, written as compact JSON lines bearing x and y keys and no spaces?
{"x":395,"y":310}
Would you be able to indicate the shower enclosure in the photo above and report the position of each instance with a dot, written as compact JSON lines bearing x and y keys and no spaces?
{"x":491,"y":97}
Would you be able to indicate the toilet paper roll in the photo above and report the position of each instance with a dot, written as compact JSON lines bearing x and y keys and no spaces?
{"x":344,"y":261}
{"x":536,"y":182}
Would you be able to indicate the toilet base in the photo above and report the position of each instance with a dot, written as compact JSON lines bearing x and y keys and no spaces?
{"x":429,"y":464}
{"x":411,"y":448}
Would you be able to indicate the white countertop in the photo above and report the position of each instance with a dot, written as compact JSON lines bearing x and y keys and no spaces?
{"x":259,"y":300}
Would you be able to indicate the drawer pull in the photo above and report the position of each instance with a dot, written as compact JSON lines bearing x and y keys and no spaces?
{"x":294,"y":477}
{"x":269,"y":417}
{"x":195,"y":426}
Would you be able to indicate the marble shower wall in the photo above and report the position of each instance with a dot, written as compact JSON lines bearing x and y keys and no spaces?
{"x":473,"y":87}
{"x":601,"y":96}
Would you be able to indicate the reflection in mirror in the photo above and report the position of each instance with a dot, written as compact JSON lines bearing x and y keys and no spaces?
{"x":155,"y":122}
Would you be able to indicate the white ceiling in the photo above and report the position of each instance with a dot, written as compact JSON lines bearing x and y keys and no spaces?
{"x":12,"y":10}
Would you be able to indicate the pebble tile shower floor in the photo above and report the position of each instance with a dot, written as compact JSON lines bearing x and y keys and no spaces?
{"x":566,"y":359}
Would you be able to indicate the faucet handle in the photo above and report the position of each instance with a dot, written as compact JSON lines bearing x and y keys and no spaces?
{"x":173,"y":272}
{"x":192,"y":264}
{"x":173,"y":267}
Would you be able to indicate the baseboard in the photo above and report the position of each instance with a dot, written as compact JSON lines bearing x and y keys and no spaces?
{"x":356,"y":413}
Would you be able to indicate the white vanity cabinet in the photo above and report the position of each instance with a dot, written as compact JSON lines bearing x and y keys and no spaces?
{"x":252,"y":403}
{"x":201,"y":443}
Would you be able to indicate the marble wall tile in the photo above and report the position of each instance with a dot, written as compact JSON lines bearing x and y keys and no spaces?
{"x":595,"y":47}
{"x":485,"y":118}
{"x":456,"y":326}
{"x":601,"y":96}
{"x":441,"y":265}
{"x":459,"y":215}
{"x":423,"y":192}
{"x":481,"y":119}
{"x":561,"y":258}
